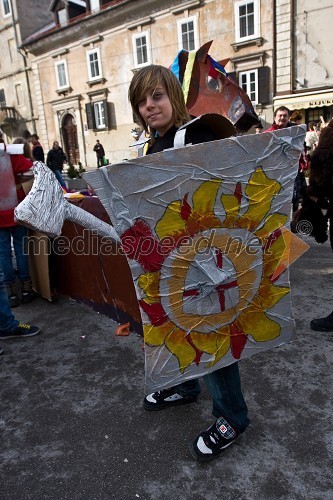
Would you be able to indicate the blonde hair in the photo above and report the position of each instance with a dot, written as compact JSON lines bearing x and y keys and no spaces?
{"x":26,"y":148}
{"x":147,"y":79}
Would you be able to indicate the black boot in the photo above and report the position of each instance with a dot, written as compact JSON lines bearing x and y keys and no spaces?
{"x":323,"y":324}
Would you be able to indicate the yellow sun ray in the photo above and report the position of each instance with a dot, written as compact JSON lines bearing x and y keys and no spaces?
{"x":178,"y":345}
{"x":202,"y":216}
{"x":204,"y":342}
{"x":272,"y":255}
{"x":273,"y":222}
{"x":149,"y":283}
{"x":171,"y":222}
{"x":155,"y":335}
{"x":204,"y":197}
{"x":255,"y":323}
{"x":269,"y":294}
{"x":223,"y":344}
{"x":260,"y":190}
{"x":231,"y":205}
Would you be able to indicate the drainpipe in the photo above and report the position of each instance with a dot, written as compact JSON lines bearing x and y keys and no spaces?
{"x":25,"y":69}
{"x":292,"y":46}
{"x":274,"y":50}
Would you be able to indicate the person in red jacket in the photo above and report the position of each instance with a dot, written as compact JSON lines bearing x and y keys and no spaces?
{"x":282,"y":120}
{"x":9,"y":230}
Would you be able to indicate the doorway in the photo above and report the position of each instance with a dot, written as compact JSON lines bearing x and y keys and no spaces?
{"x":71,"y":146}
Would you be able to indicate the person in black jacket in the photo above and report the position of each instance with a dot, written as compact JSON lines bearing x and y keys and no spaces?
{"x":99,"y":150}
{"x":55,"y":161}
{"x":157,"y":99}
{"x":37,"y":150}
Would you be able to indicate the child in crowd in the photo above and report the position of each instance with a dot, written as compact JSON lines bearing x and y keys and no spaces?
{"x":10,"y":231}
{"x":157,"y":99}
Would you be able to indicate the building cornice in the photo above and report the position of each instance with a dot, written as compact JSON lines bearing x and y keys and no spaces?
{"x":115,"y":17}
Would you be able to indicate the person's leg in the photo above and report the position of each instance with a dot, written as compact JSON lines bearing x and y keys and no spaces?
{"x":230,"y":410}
{"x":7,"y":319}
{"x":180,"y":394}
{"x":20,"y":236}
{"x":58,"y":175}
{"x":224,"y":386}
{"x":6,"y":261}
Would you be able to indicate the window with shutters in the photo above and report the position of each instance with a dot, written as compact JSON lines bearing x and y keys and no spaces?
{"x":97,"y":115}
{"x":6,"y":8}
{"x":247,"y":20}
{"x":188,"y":34}
{"x":141,"y":49}
{"x":61,"y":74}
{"x":255,"y":82}
{"x":94,"y":65}
{"x":248,"y":81}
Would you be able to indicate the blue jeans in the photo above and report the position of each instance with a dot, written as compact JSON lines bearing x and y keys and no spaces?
{"x":224,"y":386}
{"x":7,"y":319}
{"x":19,"y":235}
{"x":58,"y":175}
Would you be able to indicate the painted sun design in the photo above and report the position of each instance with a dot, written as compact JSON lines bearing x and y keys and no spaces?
{"x":204,"y":287}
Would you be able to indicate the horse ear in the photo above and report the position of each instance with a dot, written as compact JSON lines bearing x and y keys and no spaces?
{"x":224,"y":62}
{"x":203,"y":52}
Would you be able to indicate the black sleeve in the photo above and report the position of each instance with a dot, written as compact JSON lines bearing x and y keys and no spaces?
{"x":49,"y":159}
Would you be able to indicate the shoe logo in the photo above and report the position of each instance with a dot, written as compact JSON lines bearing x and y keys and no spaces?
{"x":223,"y":429}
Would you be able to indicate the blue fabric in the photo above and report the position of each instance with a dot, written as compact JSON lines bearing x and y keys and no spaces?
{"x":218,"y":66}
{"x":175,"y":65}
{"x":7,"y":319}
{"x":58,"y":175}
{"x":224,"y":386}
{"x":19,"y":235}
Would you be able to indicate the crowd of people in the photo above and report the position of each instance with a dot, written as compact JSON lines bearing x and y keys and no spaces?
{"x":157,"y":99}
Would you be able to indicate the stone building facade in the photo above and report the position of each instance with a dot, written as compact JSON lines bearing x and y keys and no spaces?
{"x":304,"y":62}
{"x":83,"y":66}
{"x":17,"y":21}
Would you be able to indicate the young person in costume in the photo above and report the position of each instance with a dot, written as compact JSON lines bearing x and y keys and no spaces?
{"x":157,"y":99}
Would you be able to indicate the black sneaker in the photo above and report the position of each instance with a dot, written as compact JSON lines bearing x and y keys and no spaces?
{"x":210,"y":443}
{"x":166,"y":397}
{"x":21,"y":331}
{"x":28,"y":296}
{"x":323,"y":324}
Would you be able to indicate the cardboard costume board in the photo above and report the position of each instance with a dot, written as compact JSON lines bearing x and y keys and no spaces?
{"x":203,"y":228}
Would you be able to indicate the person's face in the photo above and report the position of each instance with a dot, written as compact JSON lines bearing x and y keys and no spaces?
{"x":156,"y":110}
{"x":281,"y":118}
{"x":56,"y":145}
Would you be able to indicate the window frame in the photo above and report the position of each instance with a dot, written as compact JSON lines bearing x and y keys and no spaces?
{"x":135,"y":47}
{"x":180,"y":23}
{"x":100,"y":75}
{"x":248,"y":74}
{"x":100,"y":112}
{"x":9,"y":13}
{"x":57,"y":64}
{"x":256,"y":20}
